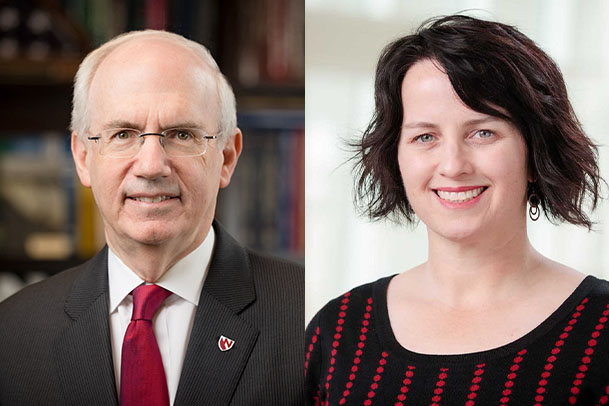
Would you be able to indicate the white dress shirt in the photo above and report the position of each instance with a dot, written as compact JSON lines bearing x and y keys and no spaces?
{"x":173,"y":322}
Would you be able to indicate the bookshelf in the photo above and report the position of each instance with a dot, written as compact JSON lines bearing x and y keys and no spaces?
{"x":48,"y":222}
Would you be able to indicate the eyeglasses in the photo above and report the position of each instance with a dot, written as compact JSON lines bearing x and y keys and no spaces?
{"x":177,"y":142}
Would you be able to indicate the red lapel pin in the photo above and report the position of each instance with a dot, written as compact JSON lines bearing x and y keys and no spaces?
{"x":225,"y":343}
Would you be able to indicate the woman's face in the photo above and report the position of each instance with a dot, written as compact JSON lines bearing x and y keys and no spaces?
{"x":465,"y":172}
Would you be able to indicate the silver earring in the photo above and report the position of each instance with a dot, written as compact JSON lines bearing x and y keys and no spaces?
{"x":534,"y":211}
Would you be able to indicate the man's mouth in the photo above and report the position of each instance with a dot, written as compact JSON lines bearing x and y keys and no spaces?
{"x":152,"y":199}
{"x":460,"y":196}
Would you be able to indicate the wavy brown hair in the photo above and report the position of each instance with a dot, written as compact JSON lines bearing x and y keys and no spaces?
{"x":493,"y":67}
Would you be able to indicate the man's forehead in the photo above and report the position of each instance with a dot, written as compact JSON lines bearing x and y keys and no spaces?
{"x":154,"y":49}
{"x":152,"y":77}
{"x":160,"y":110}
{"x":145,"y":61}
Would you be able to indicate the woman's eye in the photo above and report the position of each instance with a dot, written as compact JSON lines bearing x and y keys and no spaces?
{"x":424,"y":138}
{"x":483,"y":134}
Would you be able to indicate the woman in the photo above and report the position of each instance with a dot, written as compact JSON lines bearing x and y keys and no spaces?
{"x":472,"y":121}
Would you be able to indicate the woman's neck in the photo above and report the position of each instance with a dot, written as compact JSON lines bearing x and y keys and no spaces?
{"x":463,"y":274}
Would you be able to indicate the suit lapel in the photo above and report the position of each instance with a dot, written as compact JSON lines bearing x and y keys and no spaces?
{"x":83,"y":353}
{"x":208,"y":374}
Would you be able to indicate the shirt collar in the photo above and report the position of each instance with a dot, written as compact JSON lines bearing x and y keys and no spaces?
{"x":184,"y":279}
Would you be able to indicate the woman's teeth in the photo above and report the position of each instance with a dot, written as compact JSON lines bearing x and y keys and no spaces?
{"x":459,"y":197}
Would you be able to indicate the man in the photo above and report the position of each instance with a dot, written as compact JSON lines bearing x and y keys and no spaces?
{"x":154,"y":135}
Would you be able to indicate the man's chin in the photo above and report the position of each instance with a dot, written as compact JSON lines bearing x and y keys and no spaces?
{"x":155,"y":235}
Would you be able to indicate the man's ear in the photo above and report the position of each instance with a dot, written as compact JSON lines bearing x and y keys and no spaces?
{"x":230,"y":152}
{"x":79,"y":153}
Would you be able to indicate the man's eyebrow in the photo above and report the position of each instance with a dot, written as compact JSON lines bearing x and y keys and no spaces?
{"x":119,"y":124}
{"x":185,"y":124}
{"x":128,"y":124}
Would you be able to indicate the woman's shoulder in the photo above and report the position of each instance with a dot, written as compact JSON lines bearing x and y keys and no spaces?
{"x":597,"y":287}
{"x":595,"y":294}
{"x":355,"y":300}
{"x":358,"y":295}
{"x":588,"y":305}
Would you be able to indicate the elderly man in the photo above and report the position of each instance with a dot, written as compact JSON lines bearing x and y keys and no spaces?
{"x":173,"y":311}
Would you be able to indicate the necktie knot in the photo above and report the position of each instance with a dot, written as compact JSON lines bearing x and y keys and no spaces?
{"x":146,"y":301}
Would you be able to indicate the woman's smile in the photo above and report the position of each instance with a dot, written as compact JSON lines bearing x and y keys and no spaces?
{"x":459,"y":195}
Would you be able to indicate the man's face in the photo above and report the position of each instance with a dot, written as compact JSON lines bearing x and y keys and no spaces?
{"x":152,"y":85}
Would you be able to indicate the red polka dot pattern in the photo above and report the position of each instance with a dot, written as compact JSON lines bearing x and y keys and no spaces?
{"x":311,"y":348}
{"x":604,"y":398}
{"x":405,"y":386}
{"x":509,"y":384}
{"x":583,"y":367}
{"x":562,"y":362}
{"x":337,"y":336}
{"x":377,"y":378}
{"x":539,"y":397}
{"x":358,"y":353}
{"x":316,"y":401}
{"x":475,"y":385}
{"x":437,"y":396}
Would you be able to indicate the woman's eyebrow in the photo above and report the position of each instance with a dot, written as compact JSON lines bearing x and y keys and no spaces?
{"x":419,"y":124}
{"x":484,"y":120}
{"x":475,"y":121}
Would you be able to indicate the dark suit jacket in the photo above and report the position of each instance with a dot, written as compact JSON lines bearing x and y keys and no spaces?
{"x":55,"y":339}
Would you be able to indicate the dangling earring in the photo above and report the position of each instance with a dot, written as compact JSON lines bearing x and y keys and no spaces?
{"x":534,"y":211}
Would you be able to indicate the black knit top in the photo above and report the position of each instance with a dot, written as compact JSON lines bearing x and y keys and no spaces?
{"x":353,"y":358}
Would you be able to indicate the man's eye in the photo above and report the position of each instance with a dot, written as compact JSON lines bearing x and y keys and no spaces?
{"x":122,"y":135}
{"x":180,"y":135}
{"x":424,"y":138}
{"x":184,"y":135}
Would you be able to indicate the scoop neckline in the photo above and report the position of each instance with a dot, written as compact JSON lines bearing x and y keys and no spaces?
{"x":388,"y":339}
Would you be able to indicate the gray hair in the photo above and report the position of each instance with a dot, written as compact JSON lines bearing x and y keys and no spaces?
{"x":227,"y":120}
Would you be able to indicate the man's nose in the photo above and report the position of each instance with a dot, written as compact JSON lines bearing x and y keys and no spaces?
{"x":455,"y":159}
{"x":151,"y":161}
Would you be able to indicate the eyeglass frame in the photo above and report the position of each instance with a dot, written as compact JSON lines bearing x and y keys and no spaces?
{"x":162,"y":136}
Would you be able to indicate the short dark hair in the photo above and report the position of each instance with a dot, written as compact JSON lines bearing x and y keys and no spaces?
{"x":493,"y":67}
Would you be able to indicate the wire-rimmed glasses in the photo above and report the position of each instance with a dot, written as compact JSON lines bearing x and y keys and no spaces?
{"x":177,"y":142}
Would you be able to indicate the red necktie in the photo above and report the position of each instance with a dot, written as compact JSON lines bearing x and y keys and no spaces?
{"x":143,"y":380}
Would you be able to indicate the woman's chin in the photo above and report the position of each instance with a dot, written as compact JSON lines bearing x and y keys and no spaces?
{"x":458,"y":232}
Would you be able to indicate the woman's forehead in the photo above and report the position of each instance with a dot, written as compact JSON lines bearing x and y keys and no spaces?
{"x":428,"y":92}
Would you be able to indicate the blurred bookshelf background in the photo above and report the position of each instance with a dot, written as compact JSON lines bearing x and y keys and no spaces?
{"x":48,"y":221}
